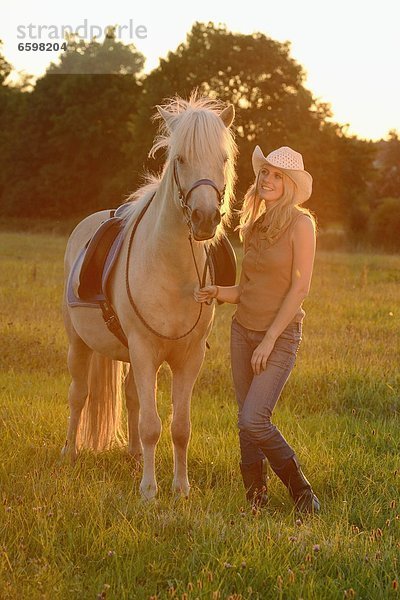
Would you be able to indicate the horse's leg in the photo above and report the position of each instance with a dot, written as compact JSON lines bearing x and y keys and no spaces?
{"x":145,"y":373}
{"x":132,"y":405}
{"x":183,"y":379}
{"x":79,"y":355}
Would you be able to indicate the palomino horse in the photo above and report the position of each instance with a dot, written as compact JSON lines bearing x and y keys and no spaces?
{"x":155,"y":273}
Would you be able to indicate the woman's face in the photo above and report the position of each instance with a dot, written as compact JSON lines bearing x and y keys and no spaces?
{"x":270,"y":184}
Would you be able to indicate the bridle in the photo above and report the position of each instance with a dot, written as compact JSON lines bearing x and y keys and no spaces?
{"x":187,"y":211}
{"x":183,"y":198}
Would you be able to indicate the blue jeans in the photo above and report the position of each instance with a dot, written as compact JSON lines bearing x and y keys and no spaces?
{"x":257,"y":395}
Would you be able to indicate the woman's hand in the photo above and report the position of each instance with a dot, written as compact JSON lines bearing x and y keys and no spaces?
{"x":206,"y":293}
{"x":261,"y":354}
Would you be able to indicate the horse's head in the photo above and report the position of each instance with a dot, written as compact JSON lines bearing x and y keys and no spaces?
{"x":201,"y":153}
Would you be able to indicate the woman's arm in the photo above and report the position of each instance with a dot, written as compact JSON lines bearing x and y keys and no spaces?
{"x":230,"y":294}
{"x":303,"y":261}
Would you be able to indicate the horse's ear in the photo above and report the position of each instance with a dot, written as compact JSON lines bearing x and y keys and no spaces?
{"x":168,"y":117}
{"x":227,"y":115}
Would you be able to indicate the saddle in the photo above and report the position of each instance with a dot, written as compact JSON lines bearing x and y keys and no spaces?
{"x":87,"y":284}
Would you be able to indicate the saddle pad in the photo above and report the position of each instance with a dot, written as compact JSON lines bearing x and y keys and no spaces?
{"x":91,"y":270}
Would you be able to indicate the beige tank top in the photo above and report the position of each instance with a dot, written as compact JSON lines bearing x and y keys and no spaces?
{"x":266,"y":277}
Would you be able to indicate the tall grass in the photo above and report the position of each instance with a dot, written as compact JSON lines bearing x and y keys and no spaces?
{"x":82,"y":532}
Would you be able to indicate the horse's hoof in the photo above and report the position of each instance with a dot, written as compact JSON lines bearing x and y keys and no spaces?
{"x":181,"y":491}
{"x":68,"y":454}
{"x":148,"y":492}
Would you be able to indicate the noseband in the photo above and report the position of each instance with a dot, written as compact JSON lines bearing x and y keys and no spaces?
{"x":183,"y":198}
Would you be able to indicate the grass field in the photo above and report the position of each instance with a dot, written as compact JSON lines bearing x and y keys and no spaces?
{"x":82,"y":532}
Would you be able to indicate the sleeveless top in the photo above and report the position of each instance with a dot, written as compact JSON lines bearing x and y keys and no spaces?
{"x":266,"y":277}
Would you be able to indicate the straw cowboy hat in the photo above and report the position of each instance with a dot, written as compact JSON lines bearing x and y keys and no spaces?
{"x":290,"y":162}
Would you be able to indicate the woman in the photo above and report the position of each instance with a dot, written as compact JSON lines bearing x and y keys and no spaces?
{"x":279,"y":246}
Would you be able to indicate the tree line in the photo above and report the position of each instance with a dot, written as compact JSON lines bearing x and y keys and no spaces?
{"x":78,"y":141}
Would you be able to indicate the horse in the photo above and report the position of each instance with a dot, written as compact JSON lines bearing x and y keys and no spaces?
{"x":169,"y":224}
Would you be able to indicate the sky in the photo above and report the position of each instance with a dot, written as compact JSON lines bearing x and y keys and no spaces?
{"x":350,"y":49}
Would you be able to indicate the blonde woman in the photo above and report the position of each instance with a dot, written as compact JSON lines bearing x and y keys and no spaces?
{"x":279,"y":247}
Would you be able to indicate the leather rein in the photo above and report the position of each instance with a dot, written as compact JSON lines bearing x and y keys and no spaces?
{"x":183,"y":199}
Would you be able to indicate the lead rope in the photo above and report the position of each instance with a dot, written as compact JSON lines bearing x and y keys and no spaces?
{"x":128,"y":290}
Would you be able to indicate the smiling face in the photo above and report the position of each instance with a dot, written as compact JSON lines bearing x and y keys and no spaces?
{"x":270,"y":184}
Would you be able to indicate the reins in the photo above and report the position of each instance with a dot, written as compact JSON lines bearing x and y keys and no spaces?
{"x":201,"y":280}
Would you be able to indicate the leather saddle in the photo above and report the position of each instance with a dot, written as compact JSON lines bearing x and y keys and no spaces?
{"x":87,"y":284}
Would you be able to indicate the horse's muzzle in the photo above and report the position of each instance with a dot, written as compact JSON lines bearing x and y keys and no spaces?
{"x":204,"y":224}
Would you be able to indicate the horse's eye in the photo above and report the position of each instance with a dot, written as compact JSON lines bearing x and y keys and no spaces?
{"x":180,"y":160}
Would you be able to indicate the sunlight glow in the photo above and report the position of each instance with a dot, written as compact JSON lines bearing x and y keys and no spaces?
{"x":349,"y":50}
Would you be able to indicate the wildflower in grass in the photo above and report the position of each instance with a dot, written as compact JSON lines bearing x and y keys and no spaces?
{"x":291,"y":576}
{"x":228,"y":565}
{"x":243,"y":564}
{"x":393,"y":504}
{"x":111,"y":553}
{"x":395,"y":584}
{"x":210,"y":576}
{"x":350,"y":593}
{"x":200,"y":584}
{"x":103,"y":593}
{"x":279,"y":582}
{"x":355,"y":529}
{"x":190,"y":586}
{"x":308,"y":558}
{"x":298,"y":522}
{"x":316,"y":548}
{"x":292,"y":538}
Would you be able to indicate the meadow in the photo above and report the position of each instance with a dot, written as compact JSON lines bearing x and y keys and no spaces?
{"x":83,"y":532}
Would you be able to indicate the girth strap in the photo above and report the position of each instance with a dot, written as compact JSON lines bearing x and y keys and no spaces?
{"x":112,"y":322}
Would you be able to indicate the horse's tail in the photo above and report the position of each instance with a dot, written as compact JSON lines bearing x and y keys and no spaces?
{"x":100,"y":425}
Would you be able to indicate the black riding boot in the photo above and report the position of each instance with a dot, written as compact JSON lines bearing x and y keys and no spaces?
{"x":255,"y":483}
{"x":299,"y":487}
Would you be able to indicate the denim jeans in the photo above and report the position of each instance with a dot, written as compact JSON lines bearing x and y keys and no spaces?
{"x":257,"y":395}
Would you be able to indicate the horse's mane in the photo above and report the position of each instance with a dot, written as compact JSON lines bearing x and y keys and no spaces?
{"x":194,"y":129}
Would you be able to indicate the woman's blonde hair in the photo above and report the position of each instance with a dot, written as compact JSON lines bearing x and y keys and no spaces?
{"x":278,"y":216}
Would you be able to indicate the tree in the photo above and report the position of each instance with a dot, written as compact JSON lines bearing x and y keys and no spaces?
{"x":10,"y":106}
{"x":5,"y":67}
{"x":388,"y":166}
{"x":74,"y":128}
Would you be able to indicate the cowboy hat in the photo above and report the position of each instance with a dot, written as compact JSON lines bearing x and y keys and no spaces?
{"x":290,"y":162}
